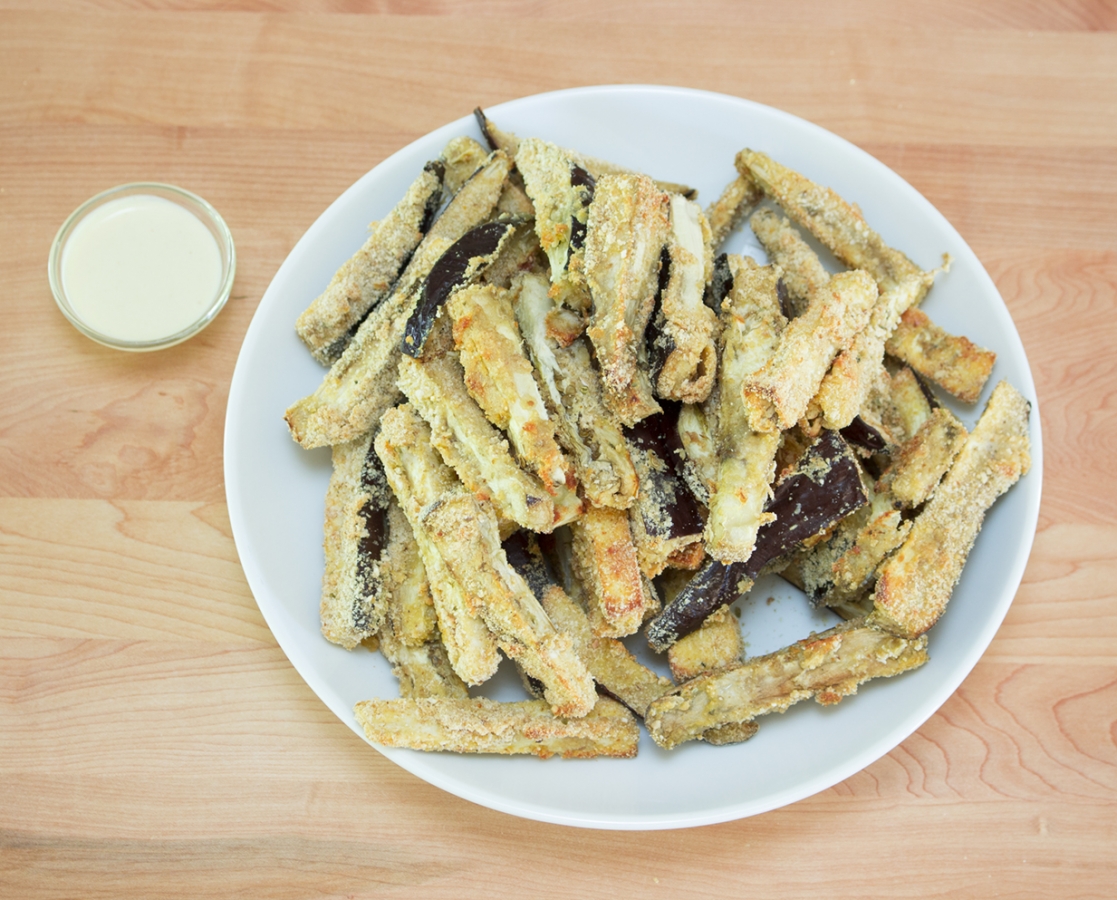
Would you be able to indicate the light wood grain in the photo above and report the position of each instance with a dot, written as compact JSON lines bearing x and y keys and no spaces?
{"x":154,"y":740}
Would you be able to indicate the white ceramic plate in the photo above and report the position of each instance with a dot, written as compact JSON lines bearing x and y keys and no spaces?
{"x":276,"y":490}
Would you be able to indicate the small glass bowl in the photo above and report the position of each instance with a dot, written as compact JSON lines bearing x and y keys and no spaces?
{"x":193,"y":204}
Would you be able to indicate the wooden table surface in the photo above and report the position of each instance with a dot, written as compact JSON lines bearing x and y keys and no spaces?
{"x":156,"y":742}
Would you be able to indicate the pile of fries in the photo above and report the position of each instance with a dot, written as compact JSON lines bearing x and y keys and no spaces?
{"x":559,"y":417}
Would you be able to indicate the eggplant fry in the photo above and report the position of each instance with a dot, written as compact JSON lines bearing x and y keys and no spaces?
{"x":696,"y":434}
{"x":778,"y":394}
{"x":486,"y":726}
{"x":827,"y":666}
{"x":606,"y":564}
{"x":472,"y":447}
{"x":736,"y":201}
{"x":752,"y":328}
{"x":462,"y":157}
{"x":327,"y":325}
{"x":411,"y":604}
{"x":955,"y":364}
{"x":920,"y":462}
{"x":361,"y":385}
{"x":802,"y":272}
{"x":627,"y":228}
{"x":356,"y":535}
{"x":465,"y":531}
{"x":607,"y":659}
{"x":823,"y":488}
{"x":686,"y":329}
{"x":716,"y":645}
{"x":500,"y":378}
{"x":422,"y":670}
{"x":418,"y":477}
{"x":571,"y":389}
{"x":497,"y":138}
{"x":561,"y":192}
{"x":465,"y":259}
{"x":666,"y":520}
{"x":835,"y":223}
{"x":915,"y":584}
{"x":840,"y":226}
{"x":911,"y":404}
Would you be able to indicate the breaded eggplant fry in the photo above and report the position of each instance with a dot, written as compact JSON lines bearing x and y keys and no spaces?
{"x":752,"y":328}
{"x":915,"y":584}
{"x":560,"y":191}
{"x":472,"y":447}
{"x":853,"y":572}
{"x":606,"y":563}
{"x":364,"y":280}
{"x":835,"y":223}
{"x":356,"y":534}
{"x":608,"y":660}
{"x":627,"y":228}
{"x":696,"y":433}
{"x":803,"y":272}
{"x":823,"y":488}
{"x":500,"y":378}
{"x":418,"y":476}
{"x":465,"y":260}
{"x":571,"y":389}
{"x":462,"y":156}
{"x":411,"y":606}
{"x":736,"y":201}
{"x":666,"y":519}
{"x":686,"y":329}
{"x":422,"y":670}
{"x":465,"y":531}
{"x":716,"y":645}
{"x":361,"y":385}
{"x":920,"y":462}
{"x":826,"y":666}
{"x":778,"y":394}
{"x":497,"y":138}
{"x":486,"y":726}
{"x":955,"y":364}
{"x":909,"y":403}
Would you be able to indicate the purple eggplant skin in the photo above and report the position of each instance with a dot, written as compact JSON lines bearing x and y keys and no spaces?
{"x":483,"y":124}
{"x":579,"y":177}
{"x":809,"y":501}
{"x":373,"y":541}
{"x":657,"y":342}
{"x":861,"y":434}
{"x":714,"y":585}
{"x":525,"y":557}
{"x":721,"y":283}
{"x":825,"y":487}
{"x":659,"y":434}
{"x":451,"y":272}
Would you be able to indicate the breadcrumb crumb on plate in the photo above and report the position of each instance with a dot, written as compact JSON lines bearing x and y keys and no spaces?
{"x":276,"y":489}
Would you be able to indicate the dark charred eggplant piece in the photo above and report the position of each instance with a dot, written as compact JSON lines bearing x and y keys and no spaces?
{"x":824,"y":487}
{"x":861,"y":434}
{"x":721,"y":282}
{"x":666,"y":516}
{"x":524,"y":555}
{"x":713,"y":586}
{"x":466,"y":259}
